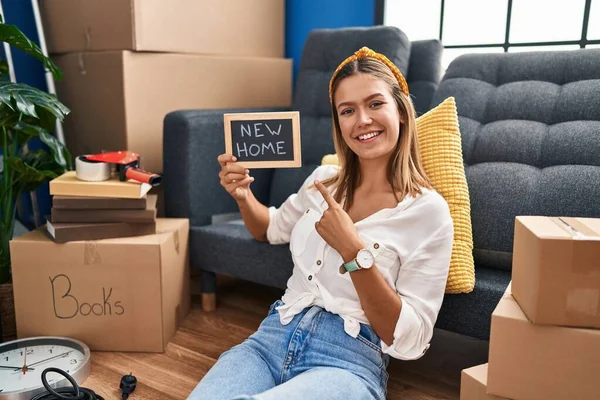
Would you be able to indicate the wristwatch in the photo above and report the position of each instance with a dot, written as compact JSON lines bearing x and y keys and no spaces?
{"x":364,"y":260}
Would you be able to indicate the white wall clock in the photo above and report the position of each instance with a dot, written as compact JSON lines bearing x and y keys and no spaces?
{"x":22,"y":362}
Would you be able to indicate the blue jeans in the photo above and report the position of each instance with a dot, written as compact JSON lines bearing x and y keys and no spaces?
{"x":310,"y":358}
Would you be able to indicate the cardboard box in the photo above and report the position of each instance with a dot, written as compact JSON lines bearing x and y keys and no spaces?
{"x":119,"y":99}
{"x":229,"y":27}
{"x":556,"y":270}
{"x":473,"y":384}
{"x":540,"y":362}
{"x":126,"y":294}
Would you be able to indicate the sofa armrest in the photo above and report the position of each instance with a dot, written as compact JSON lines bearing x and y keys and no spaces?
{"x":192,"y":140}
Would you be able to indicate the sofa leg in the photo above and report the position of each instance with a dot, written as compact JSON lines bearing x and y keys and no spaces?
{"x":209,"y":302}
{"x":208,"y":290}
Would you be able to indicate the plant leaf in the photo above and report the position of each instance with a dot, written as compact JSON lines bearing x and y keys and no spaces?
{"x":23,"y":131}
{"x":32,"y":170}
{"x":5,"y":98}
{"x":4,"y":70}
{"x":60,"y":154}
{"x":12,"y":35}
{"x":26,"y":98}
{"x":24,"y":104}
{"x":47,"y":119}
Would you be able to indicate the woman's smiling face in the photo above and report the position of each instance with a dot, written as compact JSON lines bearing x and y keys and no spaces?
{"x":368,"y":115}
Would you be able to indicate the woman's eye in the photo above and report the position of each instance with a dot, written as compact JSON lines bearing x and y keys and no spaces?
{"x":376,"y":104}
{"x":346,"y":111}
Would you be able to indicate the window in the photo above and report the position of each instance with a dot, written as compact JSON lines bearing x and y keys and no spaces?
{"x":402,"y":14}
{"x":594,"y":24}
{"x":546,"y":21}
{"x":474,"y":21}
{"x":482,"y":26}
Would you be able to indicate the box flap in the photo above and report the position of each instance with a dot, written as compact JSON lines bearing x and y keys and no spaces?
{"x":591,"y":223}
{"x":544,"y":227}
{"x":478,"y":373}
{"x":508,"y":307}
{"x":582,"y":228}
{"x":562,"y":227}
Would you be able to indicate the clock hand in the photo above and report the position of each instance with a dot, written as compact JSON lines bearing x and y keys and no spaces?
{"x":25,"y":362}
{"x":15,"y":368}
{"x":51,"y":358}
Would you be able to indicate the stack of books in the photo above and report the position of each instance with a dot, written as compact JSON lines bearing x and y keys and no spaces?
{"x":84,"y":210}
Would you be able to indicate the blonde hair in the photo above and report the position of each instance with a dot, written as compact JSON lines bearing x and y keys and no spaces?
{"x":405,"y":171}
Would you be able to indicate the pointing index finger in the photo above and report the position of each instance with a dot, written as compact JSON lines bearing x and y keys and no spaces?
{"x":326,"y":195}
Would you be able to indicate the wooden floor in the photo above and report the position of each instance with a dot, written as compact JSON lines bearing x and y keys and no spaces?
{"x":204,"y":336}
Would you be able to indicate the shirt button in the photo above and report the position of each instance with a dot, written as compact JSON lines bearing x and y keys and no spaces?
{"x":310,"y":277}
{"x":376,"y":245}
{"x":318,"y":262}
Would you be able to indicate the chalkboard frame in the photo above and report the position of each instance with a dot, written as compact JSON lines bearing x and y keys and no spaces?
{"x":266,"y":116}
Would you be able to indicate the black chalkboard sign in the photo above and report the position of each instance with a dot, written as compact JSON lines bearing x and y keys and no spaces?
{"x":264,"y":140}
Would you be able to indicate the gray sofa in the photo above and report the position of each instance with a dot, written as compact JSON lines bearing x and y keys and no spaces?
{"x":530,"y":124}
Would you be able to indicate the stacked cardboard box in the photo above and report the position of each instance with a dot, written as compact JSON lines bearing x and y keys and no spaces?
{"x":545,"y":341}
{"x":118,"y":278}
{"x":127,"y":63}
{"x":84,"y":210}
{"x":122,"y":294}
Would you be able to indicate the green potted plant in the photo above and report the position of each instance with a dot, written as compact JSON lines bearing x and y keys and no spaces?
{"x":25,"y":113}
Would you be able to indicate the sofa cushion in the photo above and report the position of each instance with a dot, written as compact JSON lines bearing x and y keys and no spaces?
{"x":470,"y":314}
{"x":529,"y":124}
{"x":229,"y":249}
{"x":440,"y":147}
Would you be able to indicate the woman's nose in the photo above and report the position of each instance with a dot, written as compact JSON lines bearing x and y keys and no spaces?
{"x":364,"y":118}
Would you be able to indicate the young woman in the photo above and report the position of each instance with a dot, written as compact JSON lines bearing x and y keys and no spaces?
{"x":371,"y":242}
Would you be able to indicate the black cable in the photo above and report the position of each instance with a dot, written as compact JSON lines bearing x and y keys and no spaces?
{"x":65,"y":393}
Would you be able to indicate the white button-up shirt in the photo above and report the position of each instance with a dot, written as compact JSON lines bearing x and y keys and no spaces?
{"x":412,"y":245}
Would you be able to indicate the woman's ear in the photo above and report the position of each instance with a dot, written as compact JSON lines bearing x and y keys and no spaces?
{"x":401,"y":118}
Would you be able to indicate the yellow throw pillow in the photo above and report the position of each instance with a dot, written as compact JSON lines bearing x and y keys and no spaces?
{"x":441,"y":151}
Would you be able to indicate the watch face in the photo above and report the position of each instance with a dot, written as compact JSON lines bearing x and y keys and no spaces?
{"x":365,"y":258}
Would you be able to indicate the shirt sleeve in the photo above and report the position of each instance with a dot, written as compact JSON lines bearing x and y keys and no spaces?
{"x":283,"y":218}
{"x":421,"y":285}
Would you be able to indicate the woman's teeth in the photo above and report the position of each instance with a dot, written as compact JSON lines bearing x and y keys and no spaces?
{"x":368,"y":136}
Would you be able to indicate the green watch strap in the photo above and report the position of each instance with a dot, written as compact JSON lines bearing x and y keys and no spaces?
{"x":351,"y":266}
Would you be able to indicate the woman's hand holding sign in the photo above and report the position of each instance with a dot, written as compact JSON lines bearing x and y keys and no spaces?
{"x":336,"y":227}
{"x":234,"y":177}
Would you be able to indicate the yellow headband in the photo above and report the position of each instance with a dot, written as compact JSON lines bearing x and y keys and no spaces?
{"x":364,"y":53}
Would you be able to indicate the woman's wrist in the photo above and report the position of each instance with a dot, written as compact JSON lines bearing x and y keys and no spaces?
{"x":349,"y":253}
{"x":245,"y":202}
